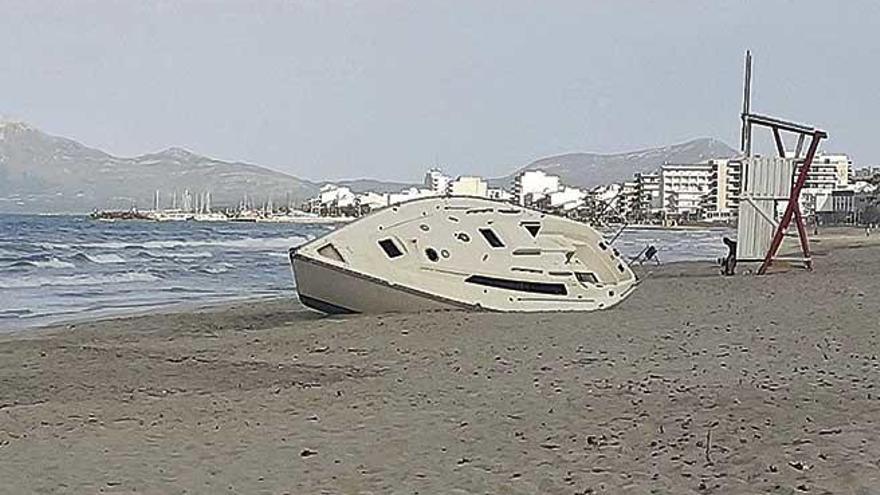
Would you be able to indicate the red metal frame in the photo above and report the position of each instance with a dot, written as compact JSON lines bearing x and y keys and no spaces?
{"x":793,"y":210}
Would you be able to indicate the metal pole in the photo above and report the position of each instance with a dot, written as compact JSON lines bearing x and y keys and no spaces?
{"x":745,"y":134}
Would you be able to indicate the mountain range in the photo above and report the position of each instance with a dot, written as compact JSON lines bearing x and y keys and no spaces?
{"x":41,"y":173}
{"x":587,"y":170}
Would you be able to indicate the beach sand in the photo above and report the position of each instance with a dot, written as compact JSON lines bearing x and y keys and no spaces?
{"x":695,"y":384}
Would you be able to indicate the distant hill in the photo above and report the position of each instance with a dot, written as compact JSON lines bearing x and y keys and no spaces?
{"x":363,"y":185}
{"x":44,"y":173}
{"x":591,"y":169}
{"x":41,"y":173}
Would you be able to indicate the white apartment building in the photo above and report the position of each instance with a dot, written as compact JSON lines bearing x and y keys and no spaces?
{"x":498,"y":194}
{"x":827,"y":173}
{"x":468,"y":186}
{"x":626,"y":201}
{"x":372,"y":200}
{"x":437,"y":181}
{"x":333,"y":195}
{"x":648,"y":200}
{"x":683,"y":187}
{"x":567,"y":198}
{"x":725,"y":182}
{"x":533,"y":185}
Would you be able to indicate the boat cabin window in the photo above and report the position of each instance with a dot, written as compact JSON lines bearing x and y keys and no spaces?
{"x":492,"y":238}
{"x":532,"y":227}
{"x":390,"y":248}
{"x":518,"y":285}
{"x":526,"y":252}
{"x":587,"y":277}
{"x":329,"y":251}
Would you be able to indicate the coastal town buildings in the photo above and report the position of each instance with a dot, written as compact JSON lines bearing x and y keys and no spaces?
{"x":707,"y":191}
{"x":437,"y":181}
{"x":827,"y":173}
{"x":499,"y":194}
{"x":468,"y":186}
{"x":532,"y":185}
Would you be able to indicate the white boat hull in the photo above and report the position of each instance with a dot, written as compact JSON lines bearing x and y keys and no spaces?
{"x":460,"y":253}
{"x":334,"y":290}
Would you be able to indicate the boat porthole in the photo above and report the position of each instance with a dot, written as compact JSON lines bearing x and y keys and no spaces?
{"x":463,"y":237}
{"x":485,"y":291}
{"x":424,"y":227}
{"x":602,"y":246}
{"x":485,"y":257}
{"x":601,"y":305}
{"x":380,"y":227}
{"x":620,"y":268}
{"x":444,"y":253}
{"x":610,"y":293}
{"x":432,"y":254}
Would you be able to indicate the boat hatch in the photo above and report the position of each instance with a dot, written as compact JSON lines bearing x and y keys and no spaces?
{"x":390,"y":248}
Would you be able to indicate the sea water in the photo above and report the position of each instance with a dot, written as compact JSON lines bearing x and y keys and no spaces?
{"x":61,"y":268}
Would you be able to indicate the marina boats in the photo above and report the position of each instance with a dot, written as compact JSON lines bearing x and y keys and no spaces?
{"x":460,"y":252}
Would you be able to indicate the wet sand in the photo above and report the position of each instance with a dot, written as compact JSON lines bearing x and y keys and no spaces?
{"x":695,"y":384}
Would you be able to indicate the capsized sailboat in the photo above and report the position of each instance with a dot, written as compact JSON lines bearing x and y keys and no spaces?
{"x":460,"y":252}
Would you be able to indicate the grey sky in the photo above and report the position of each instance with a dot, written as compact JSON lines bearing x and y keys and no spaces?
{"x":383,"y":89}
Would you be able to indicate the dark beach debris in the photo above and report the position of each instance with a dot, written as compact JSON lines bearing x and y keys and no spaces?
{"x":307,"y":453}
{"x":831,"y":431}
{"x":463,"y":461}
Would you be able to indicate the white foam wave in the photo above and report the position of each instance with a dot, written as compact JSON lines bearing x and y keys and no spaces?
{"x":217,"y":268}
{"x":51,"y":263}
{"x":73,"y":280}
{"x":179,"y":255}
{"x":266,"y":243}
{"x":104,"y":259}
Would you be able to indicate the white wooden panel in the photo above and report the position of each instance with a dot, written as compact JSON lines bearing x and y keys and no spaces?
{"x":766,"y":185}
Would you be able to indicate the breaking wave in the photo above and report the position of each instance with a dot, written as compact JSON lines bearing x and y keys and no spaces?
{"x":245,"y":243}
{"x":50,"y":263}
{"x":177,"y":255}
{"x":74,"y":280}
{"x":102,"y":259}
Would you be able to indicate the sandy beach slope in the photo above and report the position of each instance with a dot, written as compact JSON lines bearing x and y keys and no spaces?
{"x":695,"y":384}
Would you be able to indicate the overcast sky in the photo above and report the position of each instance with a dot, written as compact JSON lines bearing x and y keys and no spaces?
{"x":384,"y":89}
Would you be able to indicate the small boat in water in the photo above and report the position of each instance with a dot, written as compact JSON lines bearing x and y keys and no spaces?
{"x":460,"y":252}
